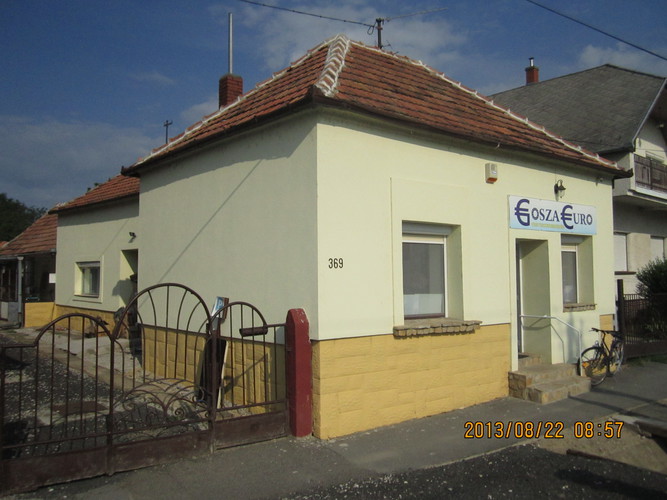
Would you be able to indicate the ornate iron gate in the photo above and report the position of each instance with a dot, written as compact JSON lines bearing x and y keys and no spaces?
{"x":170,"y":381}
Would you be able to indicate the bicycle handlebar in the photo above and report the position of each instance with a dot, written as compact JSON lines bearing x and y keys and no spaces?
{"x":615,"y":333}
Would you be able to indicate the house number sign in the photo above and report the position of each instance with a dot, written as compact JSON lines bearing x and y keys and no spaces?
{"x":336,"y":263}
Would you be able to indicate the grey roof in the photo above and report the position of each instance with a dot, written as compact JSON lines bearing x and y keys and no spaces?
{"x":602,"y":109}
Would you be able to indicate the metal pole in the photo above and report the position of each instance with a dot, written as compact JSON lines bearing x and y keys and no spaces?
{"x":231,"y":45}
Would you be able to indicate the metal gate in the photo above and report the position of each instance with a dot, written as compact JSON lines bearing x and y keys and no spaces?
{"x":170,"y":381}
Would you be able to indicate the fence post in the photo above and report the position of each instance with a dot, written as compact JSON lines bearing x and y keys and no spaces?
{"x":299,"y":372}
{"x":620,"y":307}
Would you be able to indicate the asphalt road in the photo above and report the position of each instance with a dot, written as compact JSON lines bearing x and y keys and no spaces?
{"x":525,"y":471}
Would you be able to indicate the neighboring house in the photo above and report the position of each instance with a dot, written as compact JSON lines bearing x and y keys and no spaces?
{"x":98,"y":231}
{"x":413,"y":220}
{"x":27,"y":274}
{"x":621,"y":115}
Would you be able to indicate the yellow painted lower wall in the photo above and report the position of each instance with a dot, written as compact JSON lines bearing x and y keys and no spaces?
{"x":105,"y":315}
{"x":367,"y":382}
{"x":38,"y":314}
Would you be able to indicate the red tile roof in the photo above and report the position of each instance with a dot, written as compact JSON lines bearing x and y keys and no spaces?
{"x":349,"y":74}
{"x":115,"y":189}
{"x":39,"y":237}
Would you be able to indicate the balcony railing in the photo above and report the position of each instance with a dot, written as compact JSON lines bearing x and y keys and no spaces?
{"x":650,"y":174}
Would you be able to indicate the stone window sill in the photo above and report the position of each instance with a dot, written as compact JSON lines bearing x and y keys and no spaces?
{"x":436,"y":326}
{"x":578,"y":307}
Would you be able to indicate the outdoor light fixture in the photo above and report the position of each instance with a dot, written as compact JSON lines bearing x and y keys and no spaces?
{"x":134,"y":235}
{"x":559,"y":188}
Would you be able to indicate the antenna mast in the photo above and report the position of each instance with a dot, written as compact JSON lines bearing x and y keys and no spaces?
{"x":230,"y":44}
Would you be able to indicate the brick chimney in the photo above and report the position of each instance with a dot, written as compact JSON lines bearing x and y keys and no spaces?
{"x":532,"y":72}
{"x":230,"y":87}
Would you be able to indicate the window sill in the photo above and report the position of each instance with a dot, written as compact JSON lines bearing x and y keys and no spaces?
{"x":578,"y":307}
{"x":435,"y":326}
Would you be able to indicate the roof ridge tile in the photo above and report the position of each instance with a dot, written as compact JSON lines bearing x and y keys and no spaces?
{"x":333,"y":65}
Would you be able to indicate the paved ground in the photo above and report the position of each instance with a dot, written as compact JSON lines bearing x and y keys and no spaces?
{"x":432,"y":454}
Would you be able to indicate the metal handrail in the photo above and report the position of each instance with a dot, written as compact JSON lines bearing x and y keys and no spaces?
{"x":561,"y":339}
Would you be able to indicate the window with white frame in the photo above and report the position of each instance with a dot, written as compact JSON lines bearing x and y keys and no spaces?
{"x":657,"y":247}
{"x":570,"y":283}
{"x":425,"y":270}
{"x":577,"y":268}
{"x":88,"y":280}
{"x":620,"y":252}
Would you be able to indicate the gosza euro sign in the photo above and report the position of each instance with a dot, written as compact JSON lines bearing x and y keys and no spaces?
{"x":545,"y":215}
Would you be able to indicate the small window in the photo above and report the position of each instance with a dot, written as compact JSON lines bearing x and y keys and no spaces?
{"x":570,"y":265}
{"x":657,"y":248}
{"x":424,"y":275}
{"x":620,"y":252}
{"x":425,"y":284}
{"x":89,"y":279}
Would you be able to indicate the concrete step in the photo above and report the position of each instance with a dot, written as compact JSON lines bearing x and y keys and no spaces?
{"x":537,"y":374}
{"x":548,"y":392}
{"x":544,"y":383}
{"x":529,"y":359}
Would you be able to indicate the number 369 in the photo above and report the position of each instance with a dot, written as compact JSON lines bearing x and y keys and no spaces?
{"x":336,"y":263}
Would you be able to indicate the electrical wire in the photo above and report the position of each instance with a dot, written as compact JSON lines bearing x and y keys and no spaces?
{"x":597,"y":29}
{"x":307,"y":13}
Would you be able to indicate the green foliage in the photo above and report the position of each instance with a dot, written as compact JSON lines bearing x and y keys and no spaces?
{"x":652,"y":278}
{"x":15,"y":217}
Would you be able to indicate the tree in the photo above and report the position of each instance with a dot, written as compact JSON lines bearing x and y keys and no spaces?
{"x":15,"y":217}
{"x":652,"y":278}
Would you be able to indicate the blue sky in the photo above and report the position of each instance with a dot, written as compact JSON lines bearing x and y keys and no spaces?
{"x":86,"y":84}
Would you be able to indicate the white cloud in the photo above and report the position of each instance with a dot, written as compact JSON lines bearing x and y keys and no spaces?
{"x":624,"y":56}
{"x":154,"y":77}
{"x":196,"y":112}
{"x":285,"y":36}
{"x":45,"y":162}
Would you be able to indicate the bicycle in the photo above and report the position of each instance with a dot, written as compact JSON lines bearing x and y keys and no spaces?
{"x":602,"y":359}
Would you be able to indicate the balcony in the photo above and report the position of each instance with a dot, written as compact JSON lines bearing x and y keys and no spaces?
{"x":650,"y":174}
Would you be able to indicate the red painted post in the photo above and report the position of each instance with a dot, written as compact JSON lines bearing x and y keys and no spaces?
{"x":298,"y":358}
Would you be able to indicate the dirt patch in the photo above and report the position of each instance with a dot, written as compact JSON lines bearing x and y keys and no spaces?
{"x":628,"y":445}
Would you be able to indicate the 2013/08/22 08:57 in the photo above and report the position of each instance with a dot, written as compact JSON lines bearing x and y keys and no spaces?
{"x":535,"y":430}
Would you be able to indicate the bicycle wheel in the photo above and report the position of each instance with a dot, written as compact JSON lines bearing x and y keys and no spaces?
{"x":593,"y":364}
{"x":616,"y":358}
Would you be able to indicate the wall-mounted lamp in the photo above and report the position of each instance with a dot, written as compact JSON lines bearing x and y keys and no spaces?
{"x":559,"y":188}
{"x":134,"y":235}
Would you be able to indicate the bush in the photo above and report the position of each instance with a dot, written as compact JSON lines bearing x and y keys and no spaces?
{"x":652,"y":278}
{"x":653,"y":289}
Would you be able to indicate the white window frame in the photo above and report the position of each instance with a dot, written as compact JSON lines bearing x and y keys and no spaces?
{"x":85,"y":272}
{"x":427,"y":234}
{"x":621,"y":252}
{"x":657,"y":242}
{"x":568,"y":248}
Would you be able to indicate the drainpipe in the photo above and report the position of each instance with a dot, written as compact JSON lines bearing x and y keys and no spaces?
{"x":20,"y":290}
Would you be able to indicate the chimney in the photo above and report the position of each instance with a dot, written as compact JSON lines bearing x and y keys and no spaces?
{"x":532,"y":73}
{"x":231,"y":87}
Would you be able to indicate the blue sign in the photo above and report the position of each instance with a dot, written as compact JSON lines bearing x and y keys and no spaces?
{"x":545,"y":215}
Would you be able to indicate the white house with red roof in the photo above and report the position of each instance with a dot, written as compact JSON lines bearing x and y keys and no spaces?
{"x":97,"y":258}
{"x":430,"y":235}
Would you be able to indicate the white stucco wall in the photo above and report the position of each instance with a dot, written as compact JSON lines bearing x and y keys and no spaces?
{"x":237,"y":220}
{"x":100,"y":234}
{"x":259,"y":218}
{"x":370,"y":179}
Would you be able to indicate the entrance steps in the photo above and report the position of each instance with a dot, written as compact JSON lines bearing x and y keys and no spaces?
{"x":544,"y":383}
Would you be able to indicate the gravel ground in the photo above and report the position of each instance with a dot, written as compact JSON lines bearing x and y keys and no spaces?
{"x":525,"y":471}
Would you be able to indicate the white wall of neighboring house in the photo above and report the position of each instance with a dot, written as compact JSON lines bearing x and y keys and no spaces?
{"x":97,"y":235}
{"x":640,"y":218}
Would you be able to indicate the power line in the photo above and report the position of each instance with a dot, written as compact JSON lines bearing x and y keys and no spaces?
{"x":307,"y":13}
{"x":597,"y":29}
